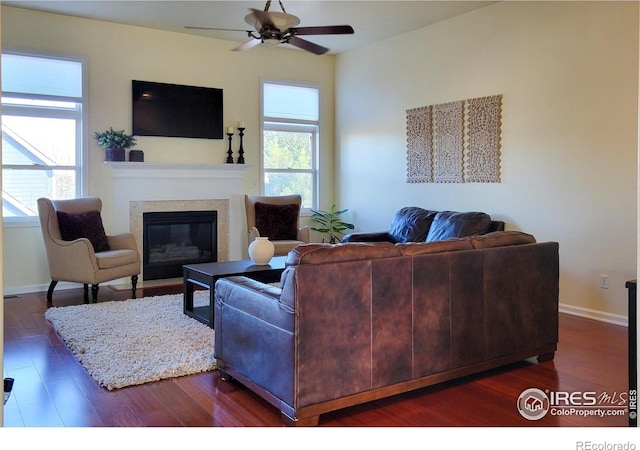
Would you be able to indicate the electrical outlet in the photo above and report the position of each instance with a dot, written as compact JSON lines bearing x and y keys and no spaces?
{"x":604,"y":281}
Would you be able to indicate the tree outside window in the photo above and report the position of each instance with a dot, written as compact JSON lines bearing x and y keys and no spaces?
{"x":290,"y":141}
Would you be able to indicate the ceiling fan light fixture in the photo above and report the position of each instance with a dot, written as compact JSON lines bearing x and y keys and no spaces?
{"x":275,"y":28}
{"x":271,"y":42}
{"x":272,"y":38}
{"x":281,"y":21}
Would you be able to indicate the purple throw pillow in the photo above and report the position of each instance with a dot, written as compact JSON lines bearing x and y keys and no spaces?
{"x":277,"y":222}
{"x":83,"y":225}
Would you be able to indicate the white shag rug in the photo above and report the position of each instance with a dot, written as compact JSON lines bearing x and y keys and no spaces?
{"x":124,"y":343}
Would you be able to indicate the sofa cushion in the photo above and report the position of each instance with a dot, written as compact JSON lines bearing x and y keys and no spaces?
{"x":83,"y":225}
{"x":450,"y":224}
{"x":333,"y":253}
{"x":423,"y":248}
{"x":277,"y":222}
{"x":411,"y":224}
{"x":501,"y":239}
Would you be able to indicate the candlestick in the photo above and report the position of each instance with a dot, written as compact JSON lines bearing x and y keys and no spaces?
{"x":230,"y":152}
{"x":241,"y":150}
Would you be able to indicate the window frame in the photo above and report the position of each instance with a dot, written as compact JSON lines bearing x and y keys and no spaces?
{"x":270,"y":123}
{"x":80,"y":114}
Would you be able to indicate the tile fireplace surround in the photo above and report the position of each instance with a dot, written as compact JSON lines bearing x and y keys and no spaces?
{"x":154,"y":187}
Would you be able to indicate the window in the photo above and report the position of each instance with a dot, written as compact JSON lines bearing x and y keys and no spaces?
{"x":42,"y":110}
{"x":290,"y":140}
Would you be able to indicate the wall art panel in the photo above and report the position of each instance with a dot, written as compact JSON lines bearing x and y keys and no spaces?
{"x":419,"y":145}
{"x":483,"y":139}
{"x":448,"y":148}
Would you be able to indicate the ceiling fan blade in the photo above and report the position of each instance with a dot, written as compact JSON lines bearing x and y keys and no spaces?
{"x":335,"y":29}
{"x":218,"y":29}
{"x":247,"y":45}
{"x":262,"y":18}
{"x":308,"y":46}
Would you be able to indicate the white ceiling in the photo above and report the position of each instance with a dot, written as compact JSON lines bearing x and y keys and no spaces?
{"x":372,"y":20}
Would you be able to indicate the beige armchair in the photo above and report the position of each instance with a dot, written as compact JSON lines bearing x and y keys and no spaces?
{"x":278,"y":218}
{"x":76,"y":259}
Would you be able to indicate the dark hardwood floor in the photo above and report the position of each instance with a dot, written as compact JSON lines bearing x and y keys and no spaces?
{"x":53,"y":390}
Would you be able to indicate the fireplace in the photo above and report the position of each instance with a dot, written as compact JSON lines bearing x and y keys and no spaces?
{"x":174,"y":238}
{"x":141,"y":187}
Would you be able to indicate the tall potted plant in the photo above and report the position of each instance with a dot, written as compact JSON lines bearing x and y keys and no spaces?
{"x":114,"y":143}
{"x":330,"y":223}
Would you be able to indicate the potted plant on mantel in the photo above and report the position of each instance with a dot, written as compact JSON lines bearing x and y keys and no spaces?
{"x":115,"y":143}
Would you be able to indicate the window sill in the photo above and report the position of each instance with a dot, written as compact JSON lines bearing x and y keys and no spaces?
{"x":26,"y":222}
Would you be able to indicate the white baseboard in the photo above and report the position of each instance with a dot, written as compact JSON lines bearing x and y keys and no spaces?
{"x":118,"y":285}
{"x":593,"y":314}
{"x":61,"y":286}
{"x":17,"y":290}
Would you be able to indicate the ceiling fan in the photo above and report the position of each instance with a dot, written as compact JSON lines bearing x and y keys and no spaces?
{"x":275,"y":28}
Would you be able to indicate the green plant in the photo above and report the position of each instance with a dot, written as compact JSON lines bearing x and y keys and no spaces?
{"x":331,"y":224}
{"x":114,"y":139}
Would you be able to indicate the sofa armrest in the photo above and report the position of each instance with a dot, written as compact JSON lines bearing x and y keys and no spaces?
{"x":124,"y":241}
{"x":71,"y":260}
{"x":380,"y":236}
{"x":254,"y":334}
{"x":253,"y":234}
{"x":304,"y":234}
{"x":496,"y":225}
{"x":254,"y":298}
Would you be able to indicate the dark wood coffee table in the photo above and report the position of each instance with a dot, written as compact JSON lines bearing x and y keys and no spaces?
{"x":206,"y":274}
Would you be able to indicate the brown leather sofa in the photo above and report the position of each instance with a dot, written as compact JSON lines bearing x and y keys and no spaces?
{"x":357,"y":322}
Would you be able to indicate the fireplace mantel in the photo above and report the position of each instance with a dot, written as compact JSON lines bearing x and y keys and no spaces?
{"x":149,"y":169}
{"x":182,"y":185}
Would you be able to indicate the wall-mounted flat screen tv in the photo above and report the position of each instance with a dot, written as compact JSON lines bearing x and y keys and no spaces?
{"x":173,"y":110}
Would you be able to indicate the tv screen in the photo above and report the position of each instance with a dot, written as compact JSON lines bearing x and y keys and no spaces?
{"x":173,"y":110}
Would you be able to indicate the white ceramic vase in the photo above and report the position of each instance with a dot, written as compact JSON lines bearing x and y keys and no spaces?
{"x":261,"y":251}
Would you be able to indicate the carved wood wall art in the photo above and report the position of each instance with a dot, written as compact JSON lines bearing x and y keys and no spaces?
{"x":419,"y":145}
{"x":448,"y":148}
{"x":455,"y":142}
{"x":483,"y":136}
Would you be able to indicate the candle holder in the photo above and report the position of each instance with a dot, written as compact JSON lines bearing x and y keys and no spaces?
{"x":241,"y":150}
{"x":230,"y":152}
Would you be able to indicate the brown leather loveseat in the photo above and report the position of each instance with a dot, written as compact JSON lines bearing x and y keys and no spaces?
{"x":356,"y":322}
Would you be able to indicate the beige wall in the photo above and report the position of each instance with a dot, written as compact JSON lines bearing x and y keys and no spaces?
{"x":115,"y":55}
{"x":568,"y":73}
